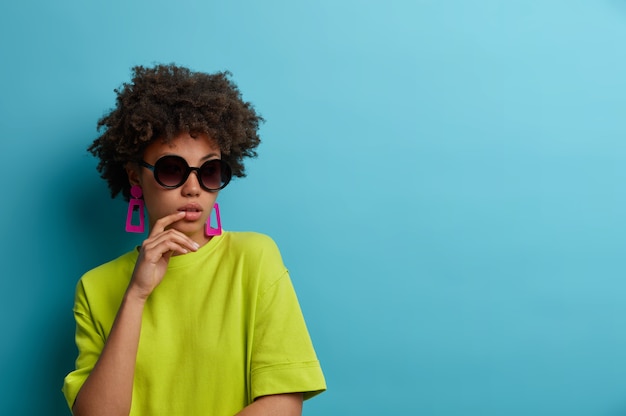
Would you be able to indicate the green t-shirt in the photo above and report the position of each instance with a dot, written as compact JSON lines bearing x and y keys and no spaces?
{"x":223,"y":328}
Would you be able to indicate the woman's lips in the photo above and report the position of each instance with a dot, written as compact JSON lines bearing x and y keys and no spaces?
{"x":192,"y":212}
{"x":192,"y":215}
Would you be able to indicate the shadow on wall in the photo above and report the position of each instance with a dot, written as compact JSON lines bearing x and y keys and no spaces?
{"x":96,"y":224}
{"x":56,"y":339}
{"x":85,"y":228}
{"x":618,"y":412}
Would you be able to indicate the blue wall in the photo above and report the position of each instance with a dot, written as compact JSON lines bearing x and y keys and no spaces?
{"x":446,"y":179}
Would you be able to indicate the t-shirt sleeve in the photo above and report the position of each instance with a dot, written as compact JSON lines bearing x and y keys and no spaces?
{"x":283,"y":358}
{"x":89,"y":343}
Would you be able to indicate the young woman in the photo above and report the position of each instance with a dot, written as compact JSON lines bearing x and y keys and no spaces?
{"x":196,"y":321}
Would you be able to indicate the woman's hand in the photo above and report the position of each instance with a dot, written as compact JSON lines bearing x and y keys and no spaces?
{"x":155,"y":254}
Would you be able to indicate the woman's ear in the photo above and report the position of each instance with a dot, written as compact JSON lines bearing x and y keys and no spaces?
{"x":132,"y":170}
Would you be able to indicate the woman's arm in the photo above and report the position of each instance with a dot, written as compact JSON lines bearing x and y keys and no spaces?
{"x":108,"y":389}
{"x":289,"y":404}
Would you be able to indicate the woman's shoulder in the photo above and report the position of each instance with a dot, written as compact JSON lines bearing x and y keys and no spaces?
{"x":260,"y":254}
{"x":250,"y":239}
{"x":117,"y":267}
{"x":252,"y":243}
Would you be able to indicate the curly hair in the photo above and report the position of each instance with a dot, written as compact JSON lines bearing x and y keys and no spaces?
{"x":164,"y":101}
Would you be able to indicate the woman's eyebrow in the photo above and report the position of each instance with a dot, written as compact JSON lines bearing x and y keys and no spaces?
{"x":210,"y":156}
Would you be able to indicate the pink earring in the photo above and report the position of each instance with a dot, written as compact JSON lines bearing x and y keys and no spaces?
{"x":133,"y":204}
{"x":210,"y":231}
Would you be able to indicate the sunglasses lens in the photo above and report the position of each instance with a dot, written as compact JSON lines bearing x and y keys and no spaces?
{"x":215,"y":174}
{"x":173,"y":171}
{"x":170,"y":171}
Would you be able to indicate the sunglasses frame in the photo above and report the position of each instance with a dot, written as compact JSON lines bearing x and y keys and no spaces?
{"x":224,"y":167}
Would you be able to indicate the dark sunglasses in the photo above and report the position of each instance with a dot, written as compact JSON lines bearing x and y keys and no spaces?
{"x":172,"y":171}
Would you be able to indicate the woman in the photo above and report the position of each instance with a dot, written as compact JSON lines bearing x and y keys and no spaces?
{"x":196,"y":321}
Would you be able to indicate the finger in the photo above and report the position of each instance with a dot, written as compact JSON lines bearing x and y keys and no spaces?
{"x":170,"y":236}
{"x":155,"y":251}
{"x":163,"y":223}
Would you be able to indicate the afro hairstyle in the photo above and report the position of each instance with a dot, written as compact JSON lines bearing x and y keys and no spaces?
{"x":164,"y":101}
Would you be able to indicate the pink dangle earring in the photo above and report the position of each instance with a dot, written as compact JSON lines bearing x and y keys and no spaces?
{"x":210,"y":231}
{"x":135,"y":203}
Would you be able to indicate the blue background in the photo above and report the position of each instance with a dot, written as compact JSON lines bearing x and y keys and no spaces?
{"x":446,"y":181}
